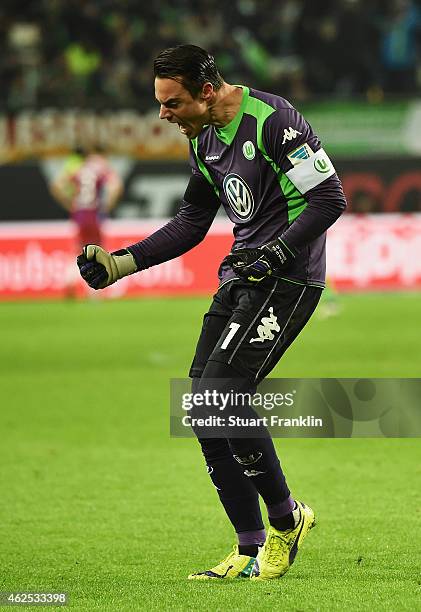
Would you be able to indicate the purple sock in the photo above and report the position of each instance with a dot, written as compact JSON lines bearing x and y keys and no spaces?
{"x":250,"y":538}
{"x":281,"y":509}
{"x":249,"y":541}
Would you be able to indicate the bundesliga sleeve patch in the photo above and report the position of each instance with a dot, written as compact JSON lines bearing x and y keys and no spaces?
{"x":311,"y":172}
{"x":299,"y":154}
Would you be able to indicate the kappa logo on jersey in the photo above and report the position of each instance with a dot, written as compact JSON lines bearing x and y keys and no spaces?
{"x":239,"y":196}
{"x":212,"y":157}
{"x":290,"y":134}
{"x":268,"y":326}
{"x":300,"y":154}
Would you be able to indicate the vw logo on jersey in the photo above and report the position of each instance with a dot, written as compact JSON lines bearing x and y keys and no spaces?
{"x":239,"y":196}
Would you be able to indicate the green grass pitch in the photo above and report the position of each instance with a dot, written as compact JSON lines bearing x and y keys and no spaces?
{"x":97,"y":500}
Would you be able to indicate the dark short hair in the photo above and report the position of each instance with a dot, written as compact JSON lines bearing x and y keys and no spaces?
{"x":193,"y":65}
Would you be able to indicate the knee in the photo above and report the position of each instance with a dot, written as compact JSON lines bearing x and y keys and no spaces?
{"x":222,"y":377}
{"x":214,"y":449}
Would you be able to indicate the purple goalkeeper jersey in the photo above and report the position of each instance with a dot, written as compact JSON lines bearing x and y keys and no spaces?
{"x":273,"y":178}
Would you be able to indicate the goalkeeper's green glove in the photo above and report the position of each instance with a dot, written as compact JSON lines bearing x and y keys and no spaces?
{"x":101,"y":269}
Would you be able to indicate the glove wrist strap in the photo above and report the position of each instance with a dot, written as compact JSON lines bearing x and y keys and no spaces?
{"x":125,"y":263}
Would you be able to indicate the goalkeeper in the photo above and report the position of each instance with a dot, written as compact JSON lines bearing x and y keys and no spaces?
{"x":256,"y":155}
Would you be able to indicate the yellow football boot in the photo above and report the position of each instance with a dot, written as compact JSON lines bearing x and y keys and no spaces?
{"x":233,"y":566}
{"x":279,"y":551}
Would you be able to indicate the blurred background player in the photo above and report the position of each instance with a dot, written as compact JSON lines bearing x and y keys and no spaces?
{"x":89,"y":188}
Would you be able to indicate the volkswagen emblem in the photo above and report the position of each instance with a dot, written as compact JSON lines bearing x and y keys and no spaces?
{"x":239,"y":196}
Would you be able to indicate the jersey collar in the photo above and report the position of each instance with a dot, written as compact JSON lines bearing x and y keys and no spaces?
{"x":227,"y":133}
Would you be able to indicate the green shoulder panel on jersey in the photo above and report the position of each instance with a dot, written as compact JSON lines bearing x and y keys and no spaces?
{"x":295,"y":200}
{"x":202,"y":167}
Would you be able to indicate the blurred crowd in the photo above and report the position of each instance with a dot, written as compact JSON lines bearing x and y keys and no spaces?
{"x":92,"y":53}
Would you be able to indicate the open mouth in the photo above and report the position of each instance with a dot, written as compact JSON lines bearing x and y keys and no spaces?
{"x":182,"y":129}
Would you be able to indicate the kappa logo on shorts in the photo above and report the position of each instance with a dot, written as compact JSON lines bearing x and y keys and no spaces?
{"x":268,"y":326}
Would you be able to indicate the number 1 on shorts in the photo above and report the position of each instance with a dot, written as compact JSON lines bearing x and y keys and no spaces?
{"x":233,"y":330}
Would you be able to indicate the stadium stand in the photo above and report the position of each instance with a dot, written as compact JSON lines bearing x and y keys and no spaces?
{"x":88,"y":54}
